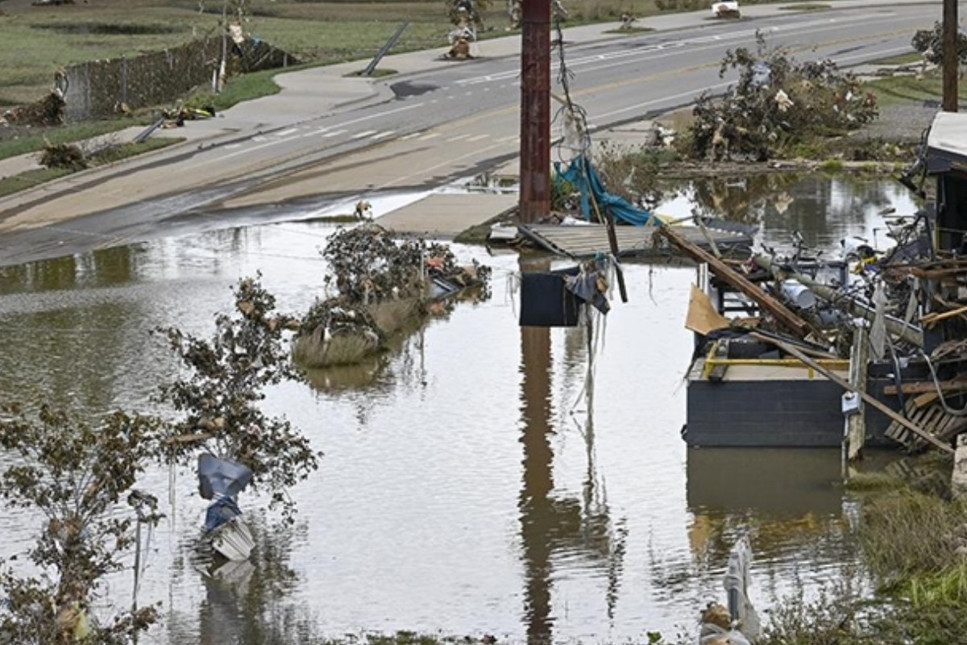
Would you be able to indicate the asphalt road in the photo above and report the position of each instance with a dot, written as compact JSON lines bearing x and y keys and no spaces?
{"x":418,"y":130}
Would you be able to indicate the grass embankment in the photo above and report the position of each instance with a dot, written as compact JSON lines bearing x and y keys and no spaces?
{"x":107,"y":155}
{"x":39,"y":39}
{"x":914,"y":544}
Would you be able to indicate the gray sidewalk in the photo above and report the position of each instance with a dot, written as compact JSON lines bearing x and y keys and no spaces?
{"x":309,"y":93}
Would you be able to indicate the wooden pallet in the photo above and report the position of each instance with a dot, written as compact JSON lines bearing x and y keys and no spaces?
{"x":932,"y":419}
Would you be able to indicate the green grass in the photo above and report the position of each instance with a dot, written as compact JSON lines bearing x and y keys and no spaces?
{"x":898,"y":89}
{"x":66,"y":134}
{"x":874,"y":481}
{"x":29,"y":179}
{"x":629,"y":30}
{"x":911,"y":58}
{"x":39,"y":40}
{"x":105,"y":156}
{"x":238,"y":89}
{"x":120,"y":151}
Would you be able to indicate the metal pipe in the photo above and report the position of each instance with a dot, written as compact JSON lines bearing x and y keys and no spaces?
{"x":897,"y":327}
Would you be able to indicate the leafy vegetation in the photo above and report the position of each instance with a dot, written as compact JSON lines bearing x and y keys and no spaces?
{"x":81,"y":478}
{"x":219,"y":399}
{"x":775,"y":104}
{"x":929,"y":42}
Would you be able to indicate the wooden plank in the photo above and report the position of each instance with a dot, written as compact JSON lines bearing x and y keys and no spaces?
{"x":781,"y":313}
{"x":587,"y":240}
{"x":856,"y":422}
{"x":920,"y":387}
{"x":925,"y":399}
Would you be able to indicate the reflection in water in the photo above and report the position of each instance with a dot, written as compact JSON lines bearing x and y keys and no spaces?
{"x":537,"y":514}
{"x":246,"y":602}
{"x":823,"y":210}
{"x":779,"y":497}
{"x":550,"y":523}
{"x":426,"y":514}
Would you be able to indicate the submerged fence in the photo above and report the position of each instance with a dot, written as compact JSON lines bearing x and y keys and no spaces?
{"x":99,"y":88}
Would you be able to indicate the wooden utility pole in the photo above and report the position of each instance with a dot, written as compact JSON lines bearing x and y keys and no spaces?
{"x":535,"y":111}
{"x":951,"y":56}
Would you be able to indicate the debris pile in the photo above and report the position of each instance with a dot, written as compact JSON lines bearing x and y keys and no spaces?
{"x":897,"y":318}
{"x":48,"y":111}
{"x":929,"y":42}
{"x":776,"y":104}
{"x":381,"y":285}
{"x":727,"y":10}
{"x":63,"y":155}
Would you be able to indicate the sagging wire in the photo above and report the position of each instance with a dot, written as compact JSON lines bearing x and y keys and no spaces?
{"x":574,"y":118}
{"x":936,"y":383}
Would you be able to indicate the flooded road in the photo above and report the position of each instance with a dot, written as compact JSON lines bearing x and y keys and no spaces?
{"x":474,"y":482}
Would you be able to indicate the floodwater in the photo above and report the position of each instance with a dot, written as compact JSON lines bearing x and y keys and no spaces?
{"x":474,"y":482}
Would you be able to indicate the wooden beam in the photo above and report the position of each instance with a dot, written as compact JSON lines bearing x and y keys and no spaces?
{"x":779,"y":311}
{"x":919,"y":387}
{"x":838,"y":380}
{"x":856,"y":422}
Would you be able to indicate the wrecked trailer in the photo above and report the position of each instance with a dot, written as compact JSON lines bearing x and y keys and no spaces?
{"x":797,"y":352}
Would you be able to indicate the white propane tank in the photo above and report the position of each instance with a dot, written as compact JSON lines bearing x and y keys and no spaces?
{"x":798,"y":294}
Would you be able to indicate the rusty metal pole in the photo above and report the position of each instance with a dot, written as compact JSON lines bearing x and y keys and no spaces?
{"x":535,"y":111}
{"x":951,"y":58}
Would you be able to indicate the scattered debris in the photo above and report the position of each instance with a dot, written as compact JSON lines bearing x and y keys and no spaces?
{"x":627,"y":21}
{"x":905,"y":307}
{"x":737,"y":622}
{"x":363,"y":210}
{"x":382,"y":286}
{"x":729,"y":10}
{"x":515,"y":12}
{"x":63,"y":155}
{"x":775,"y":104}
{"x":49,"y":111}
{"x":175,"y":118}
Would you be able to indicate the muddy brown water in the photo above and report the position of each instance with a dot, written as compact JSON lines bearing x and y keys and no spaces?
{"x":473,"y":483}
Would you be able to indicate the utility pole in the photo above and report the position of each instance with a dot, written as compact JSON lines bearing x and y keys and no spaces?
{"x":535,"y":111}
{"x":951,"y":56}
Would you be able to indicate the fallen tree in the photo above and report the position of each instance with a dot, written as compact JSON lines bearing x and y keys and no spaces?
{"x":775,"y":104}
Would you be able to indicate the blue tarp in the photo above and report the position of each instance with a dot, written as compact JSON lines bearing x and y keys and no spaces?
{"x":220,"y":512}
{"x":581,"y":173}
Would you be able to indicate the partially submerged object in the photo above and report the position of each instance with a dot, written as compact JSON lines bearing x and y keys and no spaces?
{"x":221,"y":480}
{"x":383,"y":286}
{"x":735,"y":623}
{"x":822,"y":356}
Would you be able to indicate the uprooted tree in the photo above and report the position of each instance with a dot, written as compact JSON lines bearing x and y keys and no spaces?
{"x":81,"y":477}
{"x":929,"y":42}
{"x":776,"y":104}
{"x":227,"y":378}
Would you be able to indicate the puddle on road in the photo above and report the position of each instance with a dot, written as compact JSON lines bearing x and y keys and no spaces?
{"x":469,"y":486}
